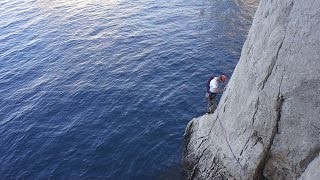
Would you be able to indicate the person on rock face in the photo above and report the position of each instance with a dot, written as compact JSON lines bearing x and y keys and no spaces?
{"x":213,"y":90}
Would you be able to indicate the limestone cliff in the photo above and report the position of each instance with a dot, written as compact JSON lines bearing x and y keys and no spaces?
{"x":267,"y":125}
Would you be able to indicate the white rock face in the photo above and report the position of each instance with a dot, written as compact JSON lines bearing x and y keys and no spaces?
{"x":267,"y":125}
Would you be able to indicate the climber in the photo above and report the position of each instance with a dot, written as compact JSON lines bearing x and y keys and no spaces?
{"x":212,"y":90}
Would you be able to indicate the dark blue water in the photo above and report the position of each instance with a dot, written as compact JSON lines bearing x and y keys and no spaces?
{"x":93,"y":89}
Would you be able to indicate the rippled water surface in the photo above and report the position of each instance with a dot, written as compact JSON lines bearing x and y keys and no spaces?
{"x":103,"y":89}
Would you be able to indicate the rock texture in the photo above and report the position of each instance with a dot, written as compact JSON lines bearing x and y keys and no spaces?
{"x":312,"y":171}
{"x":267,"y":125}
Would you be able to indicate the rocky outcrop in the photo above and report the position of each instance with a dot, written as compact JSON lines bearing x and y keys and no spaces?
{"x":267,"y":125}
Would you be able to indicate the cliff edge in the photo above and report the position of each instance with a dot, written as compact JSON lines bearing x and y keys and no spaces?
{"x":267,"y":125}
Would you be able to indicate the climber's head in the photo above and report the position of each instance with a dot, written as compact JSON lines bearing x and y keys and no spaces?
{"x":222,"y":78}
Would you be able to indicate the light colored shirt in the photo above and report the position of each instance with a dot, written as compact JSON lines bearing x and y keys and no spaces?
{"x":214,"y":85}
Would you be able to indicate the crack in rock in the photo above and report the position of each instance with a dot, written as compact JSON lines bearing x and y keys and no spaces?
{"x":203,"y":140}
{"x":245,"y":145}
{"x":258,"y":174}
{"x":259,"y":170}
{"x":274,"y":59}
{"x":255,"y":112}
{"x":272,"y":64}
{"x":192,"y":175}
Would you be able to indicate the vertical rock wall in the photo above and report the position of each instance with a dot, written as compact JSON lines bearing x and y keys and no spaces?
{"x":267,"y":124}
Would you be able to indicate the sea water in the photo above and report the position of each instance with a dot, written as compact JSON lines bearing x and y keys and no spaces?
{"x":103,"y":89}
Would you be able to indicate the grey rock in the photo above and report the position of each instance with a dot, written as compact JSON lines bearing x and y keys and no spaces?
{"x":313,"y":170}
{"x":267,"y":124}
